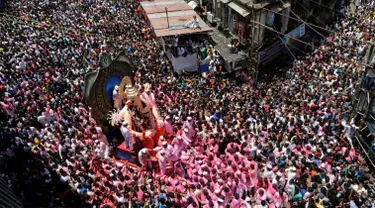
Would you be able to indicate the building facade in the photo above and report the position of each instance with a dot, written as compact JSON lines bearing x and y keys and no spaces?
{"x":236,"y":16}
{"x":363,"y":113}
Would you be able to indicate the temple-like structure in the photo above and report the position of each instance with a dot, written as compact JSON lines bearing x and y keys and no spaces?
{"x":131,"y":106}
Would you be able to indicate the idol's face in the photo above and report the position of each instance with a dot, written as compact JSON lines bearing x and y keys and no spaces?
{"x":130,"y":103}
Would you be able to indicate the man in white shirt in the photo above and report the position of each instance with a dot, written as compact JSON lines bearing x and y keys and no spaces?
{"x":128,"y":137}
{"x":116,"y":98}
{"x":43,"y":119}
{"x":195,"y":23}
{"x":168,"y":126}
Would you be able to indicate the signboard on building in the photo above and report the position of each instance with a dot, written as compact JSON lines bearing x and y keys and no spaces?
{"x":270,"y":18}
{"x":270,"y":51}
{"x":302,"y":29}
{"x":296,"y":33}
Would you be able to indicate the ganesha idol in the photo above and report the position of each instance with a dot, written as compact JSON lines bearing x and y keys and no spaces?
{"x":140,"y":113}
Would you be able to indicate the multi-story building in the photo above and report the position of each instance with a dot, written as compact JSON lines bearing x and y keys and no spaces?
{"x":235,"y":17}
{"x":317,"y":12}
{"x":364,"y":107}
{"x":260,"y":25}
{"x":247,"y":21}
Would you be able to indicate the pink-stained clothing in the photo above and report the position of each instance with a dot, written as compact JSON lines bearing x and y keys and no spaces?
{"x":195,"y":200}
{"x":8,"y":108}
{"x":149,"y":97}
{"x":170,"y":188}
{"x":240,"y":189}
{"x":307,"y":151}
{"x":180,"y":188}
{"x":351,"y":155}
{"x":245,"y":204}
{"x":235,"y":203}
{"x":279,"y":199}
{"x":214,"y":197}
{"x":140,"y":195}
{"x":169,"y":153}
{"x":162,"y":164}
{"x":185,"y":137}
{"x":168,"y":128}
{"x":259,"y":198}
{"x":253,"y":172}
{"x":180,"y":171}
{"x":128,"y":137}
{"x":270,"y":190}
{"x":144,"y":159}
{"x":104,"y":150}
{"x":179,"y":146}
{"x":217,"y":186}
{"x":191,"y":131}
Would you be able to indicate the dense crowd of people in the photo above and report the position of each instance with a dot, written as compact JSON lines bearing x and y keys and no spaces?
{"x":286,"y":143}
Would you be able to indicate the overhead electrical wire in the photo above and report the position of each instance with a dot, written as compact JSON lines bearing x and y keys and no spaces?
{"x":323,"y":5}
{"x":116,"y":38}
{"x":301,"y":41}
{"x":286,"y":44}
{"x":308,"y":11}
{"x":325,"y":29}
{"x":311,"y":26}
{"x":372,"y":163}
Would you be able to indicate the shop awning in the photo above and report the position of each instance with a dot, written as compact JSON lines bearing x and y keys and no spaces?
{"x":278,"y":8}
{"x":225,"y":53}
{"x":225,"y":1}
{"x":179,"y":14}
{"x":239,"y":9}
{"x":193,"y":4}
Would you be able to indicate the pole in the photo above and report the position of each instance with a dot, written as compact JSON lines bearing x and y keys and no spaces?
{"x":253,"y":55}
{"x":256,"y":52}
{"x":166,"y":14}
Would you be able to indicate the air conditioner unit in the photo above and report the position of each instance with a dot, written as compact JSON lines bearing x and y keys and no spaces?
{"x":210,"y":17}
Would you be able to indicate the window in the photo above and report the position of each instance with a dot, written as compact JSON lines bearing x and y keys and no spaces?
{"x":372,"y":110}
{"x":239,"y":64}
{"x":362,"y":103}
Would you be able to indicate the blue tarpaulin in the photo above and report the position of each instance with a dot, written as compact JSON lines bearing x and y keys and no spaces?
{"x":203,"y":68}
{"x":110,"y":85}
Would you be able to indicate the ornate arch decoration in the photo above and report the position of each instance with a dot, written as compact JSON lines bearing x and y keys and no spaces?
{"x":95,"y":92}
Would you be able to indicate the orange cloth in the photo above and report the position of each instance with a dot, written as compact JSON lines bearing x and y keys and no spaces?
{"x":158,"y":133}
{"x":148,"y":143}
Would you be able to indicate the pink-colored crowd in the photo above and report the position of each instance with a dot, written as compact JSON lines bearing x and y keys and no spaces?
{"x":286,"y":143}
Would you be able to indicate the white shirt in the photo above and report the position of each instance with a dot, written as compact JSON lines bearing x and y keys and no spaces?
{"x":126,"y":133}
{"x":116,"y":95}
